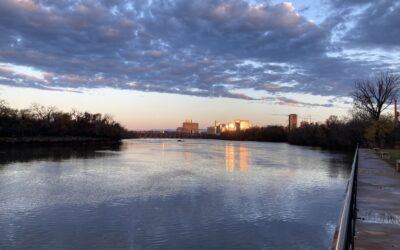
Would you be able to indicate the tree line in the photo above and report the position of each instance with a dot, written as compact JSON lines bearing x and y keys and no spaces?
{"x":41,"y":121}
{"x":333,"y":134}
{"x":367,"y":124}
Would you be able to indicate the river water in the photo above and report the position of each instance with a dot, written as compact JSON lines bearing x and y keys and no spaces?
{"x":165,"y":194}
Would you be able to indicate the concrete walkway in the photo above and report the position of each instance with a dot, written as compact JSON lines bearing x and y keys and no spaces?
{"x":378,"y":203}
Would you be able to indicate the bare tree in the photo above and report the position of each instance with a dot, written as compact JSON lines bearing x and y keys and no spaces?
{"x":373,"y":96}
{"x":42,"y":112}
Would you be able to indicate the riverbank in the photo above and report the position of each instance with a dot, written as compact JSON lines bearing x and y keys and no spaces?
{"x":67,"y":139}
{"x":378,"y":203}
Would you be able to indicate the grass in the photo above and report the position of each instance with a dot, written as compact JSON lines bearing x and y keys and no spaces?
{"x":394,"y":155}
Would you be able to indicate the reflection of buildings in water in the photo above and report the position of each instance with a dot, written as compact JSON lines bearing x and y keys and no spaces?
{"x":243,"y":158}
{"x":230,"y":155}
{"x":187,"y":154}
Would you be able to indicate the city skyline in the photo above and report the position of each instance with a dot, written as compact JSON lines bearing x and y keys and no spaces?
{"x":152,"y":64}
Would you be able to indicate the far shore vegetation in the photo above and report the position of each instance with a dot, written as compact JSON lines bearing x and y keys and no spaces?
{"x":48,"y":124}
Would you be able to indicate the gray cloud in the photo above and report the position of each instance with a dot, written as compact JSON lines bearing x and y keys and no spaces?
{"x":214,"y":48}
{"x":281,"y":100}
{"x":378,"y":26}
{"x":349,"y":3}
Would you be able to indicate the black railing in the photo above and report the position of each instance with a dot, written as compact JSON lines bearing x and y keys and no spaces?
{"x":344,"y":235}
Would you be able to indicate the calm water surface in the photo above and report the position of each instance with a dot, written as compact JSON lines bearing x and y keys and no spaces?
{"x":164,"y":194}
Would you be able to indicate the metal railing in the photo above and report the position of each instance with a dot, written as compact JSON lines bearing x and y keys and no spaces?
{"x":344,"y":235}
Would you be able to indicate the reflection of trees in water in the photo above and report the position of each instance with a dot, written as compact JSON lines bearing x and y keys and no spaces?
{"x":295,"y":159}
{"x":55,"y":152}
{"x":335,"y":165}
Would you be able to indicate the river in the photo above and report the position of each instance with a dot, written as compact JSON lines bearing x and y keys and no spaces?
{"x":165,"y":194}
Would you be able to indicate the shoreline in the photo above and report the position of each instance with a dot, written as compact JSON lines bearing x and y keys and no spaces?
{"x":4,"y":141}
{"x":67,"y":139}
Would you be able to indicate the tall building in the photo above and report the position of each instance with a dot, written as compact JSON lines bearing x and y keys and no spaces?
{"x":292,"y":121}
{"x":188,"y":127}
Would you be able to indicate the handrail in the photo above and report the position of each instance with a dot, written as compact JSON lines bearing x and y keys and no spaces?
{"x":344,"y":235}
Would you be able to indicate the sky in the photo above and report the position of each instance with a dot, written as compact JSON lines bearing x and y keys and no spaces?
{"x":152,"y":64}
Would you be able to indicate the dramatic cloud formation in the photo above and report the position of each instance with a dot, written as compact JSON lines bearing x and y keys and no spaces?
{"x":203,"y":48}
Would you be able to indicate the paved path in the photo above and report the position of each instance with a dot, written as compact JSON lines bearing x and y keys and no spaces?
{"x":378,"y":203}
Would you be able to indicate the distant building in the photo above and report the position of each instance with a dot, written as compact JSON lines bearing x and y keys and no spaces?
{"x":217,"y":129}
{"x":237,"y":125}
{"x":231,"y":127}
{"x":188,"y":127}
{"x":292,"y":121}
{"x":212,"y":130}
{"x":242,"y":125}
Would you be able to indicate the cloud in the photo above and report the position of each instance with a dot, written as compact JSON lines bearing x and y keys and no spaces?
{"x":349,"y":3}
{"x":281,"y":100}
{"x":377,"y":26}
{"x":210,"y":48}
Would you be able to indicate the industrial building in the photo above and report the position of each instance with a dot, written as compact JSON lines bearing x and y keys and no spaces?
{"x":188,"y":127}
{"x":237,"y":125}
{"x":242,"y":125}
{"x":292,"y":121}
{"x":212,"y":130}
